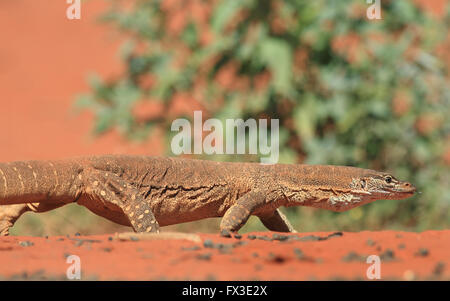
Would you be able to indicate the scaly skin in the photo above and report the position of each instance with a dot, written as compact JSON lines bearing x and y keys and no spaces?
{"x":148,"y":192}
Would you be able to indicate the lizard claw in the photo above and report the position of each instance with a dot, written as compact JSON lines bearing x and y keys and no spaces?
{"x":226,"y":233}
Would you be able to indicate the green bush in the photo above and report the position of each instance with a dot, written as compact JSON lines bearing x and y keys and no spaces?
{"x":347,"y":90}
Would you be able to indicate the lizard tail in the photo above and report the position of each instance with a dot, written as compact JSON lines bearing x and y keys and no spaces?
{"x":39,"y":181}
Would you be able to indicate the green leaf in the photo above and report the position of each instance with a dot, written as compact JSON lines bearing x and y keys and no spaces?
{"x":126,"y":49}
{"x":104,"y":121}
{"x":223,"y":14}
{"x":84,"y":101}
{"x":277,"y":54}
{"x":305,"y":117}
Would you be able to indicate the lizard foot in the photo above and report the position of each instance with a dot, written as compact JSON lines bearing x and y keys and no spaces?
{"x":9,"y":215}
{"x":238,"y":214}
{"x":226,"y":233}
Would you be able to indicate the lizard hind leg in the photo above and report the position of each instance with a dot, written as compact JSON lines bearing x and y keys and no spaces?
{"x":277,"y":221}
{"x":112,"y":189}
{"x":9,"y":214}
{"x":238,"y":214}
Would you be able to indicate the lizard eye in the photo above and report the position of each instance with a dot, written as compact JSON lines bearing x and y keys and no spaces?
{"x":388,"y":179}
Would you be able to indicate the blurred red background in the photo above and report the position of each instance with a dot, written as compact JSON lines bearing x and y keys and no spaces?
{"x":44,"y":62}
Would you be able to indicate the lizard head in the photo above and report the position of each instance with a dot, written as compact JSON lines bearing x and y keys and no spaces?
{"x":340,"y":188}
{"x":368,"y":187}
{"x":385,"y":186}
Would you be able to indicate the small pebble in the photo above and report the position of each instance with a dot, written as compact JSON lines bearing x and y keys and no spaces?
{"x":225,"y":251}
{"x":240,"y":243}
{"x":208,"y":243}
{"x":26,"y":243}
{"x":353,"y":256}
{"x":309,"y":238}
{"x":221,"y":246}
{"x":388,"y":255}
{"x":299,"y":254}
{"x":422,"y":252}
{"x":206,"y":256}
{"x":276,"y":258}
{"x":279,"y":237}
{"x":193,"y":248}
{"x":370,"y":242}
{"x":251,"y":236}
{"x":439,"y":268}
{"x":264,"y":238}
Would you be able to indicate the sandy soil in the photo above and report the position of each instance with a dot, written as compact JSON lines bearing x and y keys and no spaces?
{"x":269,"y":256}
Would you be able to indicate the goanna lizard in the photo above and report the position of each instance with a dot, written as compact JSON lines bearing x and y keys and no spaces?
{"x":148,"y":192}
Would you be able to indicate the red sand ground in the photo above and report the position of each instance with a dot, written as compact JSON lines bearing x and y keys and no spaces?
{"x":44,"y":60}
{"x":404,"y":256}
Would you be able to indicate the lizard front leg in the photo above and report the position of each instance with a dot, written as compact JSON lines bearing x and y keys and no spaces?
{"x":276,"y":221}
{"x":237,"y":215}
{"x":112,"y":189}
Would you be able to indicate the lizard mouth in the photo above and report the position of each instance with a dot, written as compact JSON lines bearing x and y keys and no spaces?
{"x":403,"y":189}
